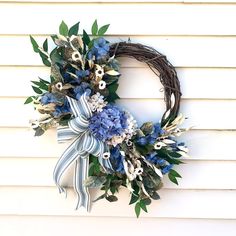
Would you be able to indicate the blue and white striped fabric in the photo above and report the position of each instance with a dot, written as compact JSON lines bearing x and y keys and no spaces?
{"x":83,"y":145}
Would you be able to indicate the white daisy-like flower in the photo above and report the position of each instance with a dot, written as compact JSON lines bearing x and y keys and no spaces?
{"x":159,"y":145}
{"x":59,"y":86}
{"x":76,"y":56}
{"x":106,"y":155}
{"x":102,"y":84}
{"x":138,"y":171}
{"x":99,"y":72}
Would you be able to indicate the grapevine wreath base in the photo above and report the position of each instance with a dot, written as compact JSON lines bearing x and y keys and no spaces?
{"x":109,"y":148}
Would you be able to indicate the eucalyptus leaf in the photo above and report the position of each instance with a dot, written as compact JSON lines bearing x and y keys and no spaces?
{"x":143,"y":205}
{"x":63,"y":29}
{"x":112,"y":198}
{"x":45,"y":45}
{"x":173,"y":179}
{"x":175,"y":173}
{"x":74,"y":30}
{"x":155,"y":196}
{"x":86,"y":38}
{"x":137,"y":209}
{"x":100,"y":197}
{"x":134,"y":198}
{"x":28,"y":100}
{"x":37,"y":90}
{"x":39,"y":131}
{"x":94,"y":29}
{"x":103,"y":30}
{"x":34,"y":44}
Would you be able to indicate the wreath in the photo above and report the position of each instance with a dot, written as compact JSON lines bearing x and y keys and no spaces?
{"x":109,"y":148}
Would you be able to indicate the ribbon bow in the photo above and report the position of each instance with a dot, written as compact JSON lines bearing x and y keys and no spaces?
{"x":83,"y":145}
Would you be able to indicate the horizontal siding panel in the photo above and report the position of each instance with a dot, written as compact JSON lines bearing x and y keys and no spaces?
{"x":173,"y":204}
{"x":195,"y":82}
{"x":197,"y":112}
{"x":202,"y":144}
{"x":48,"y":226}
{"x":38,"y":172}
{"x":181,"y":51}
{"x":183,"y":19}
{"x":123,"y":1}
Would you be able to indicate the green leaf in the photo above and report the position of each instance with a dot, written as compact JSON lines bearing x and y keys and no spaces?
{"x":137,"y":209}
{"x":28,"y":100}
{"x":86,"y":38}
{"x":112,"y":198}
{"x":155,"y":196}
{"x":173,"y":179}
{"x":143,"y":205}
{"x":34,"y":44}
{"x":100,"y":197}
{"x":37,"y":90}
{"x":94,"y":28}
{"x":134,"y":198}
{"x":46,"y":62}
{"x":74,"y":30}
{"x":103,"y":30}
{"x":55,"y":56}
{"x":39,"y":131}
{"x":147,"y":201}
{"x":45,"y":45}
{"x":91,"y":170}
{"x":175,"y":173}
{"x":63,"y":29}
{"x":41,"y":85}
{"x":44,"y":81}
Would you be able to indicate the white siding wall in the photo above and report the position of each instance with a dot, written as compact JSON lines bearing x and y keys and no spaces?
{"x":199,"y":38}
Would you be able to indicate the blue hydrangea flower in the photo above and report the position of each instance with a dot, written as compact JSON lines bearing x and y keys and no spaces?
{"x":61,"y":110}
{"x":110,"y":122}
{"x":81,"y":89}
{"x":166,"y":169}
{"x":82,"y":73}
{"x":155,"y":159}
{"x":48,"y":98}
{"x":152,"y":137}
{"x":117,"y":160}
{"x":100,"y":49}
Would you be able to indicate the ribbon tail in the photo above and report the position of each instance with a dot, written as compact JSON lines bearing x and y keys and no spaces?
{"x":80,"y":175}
{"x":67,"y":158}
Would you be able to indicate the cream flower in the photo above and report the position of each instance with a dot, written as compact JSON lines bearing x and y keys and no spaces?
{"x":102,"y":84}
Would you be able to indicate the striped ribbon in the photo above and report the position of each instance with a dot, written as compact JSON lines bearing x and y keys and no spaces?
{"x":83,"y":145}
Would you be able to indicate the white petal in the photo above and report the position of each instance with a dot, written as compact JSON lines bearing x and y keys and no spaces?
{"x":112,"y":72}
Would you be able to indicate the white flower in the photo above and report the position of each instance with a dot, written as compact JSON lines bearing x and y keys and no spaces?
{"x":102,"y":84}
{"x":96,"y":102}
{"x":99,"y":72}
{"x":59,"y":86}
{"x":106,"y":155}
{"x":138,"y":171}
{"x":76,"y":56}
{"x":159,"y":145}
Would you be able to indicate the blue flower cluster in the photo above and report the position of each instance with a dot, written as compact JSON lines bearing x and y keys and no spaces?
{"x":62,"y":110}
{"x":59,"y":109}
{"x":110,"y":122}
{"x":49,"y":98}
{"x":117,"y":160}
{"x":152,"y":137}
{"x":81,"y":89}
{"x":156,"y":160}
{"x":100,"y":49}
